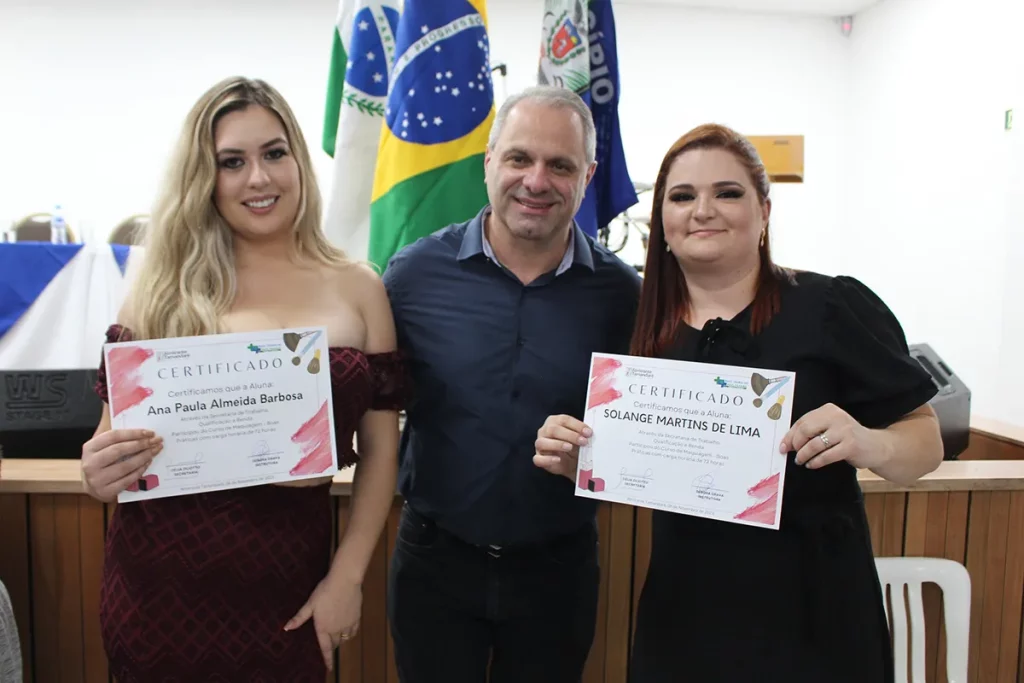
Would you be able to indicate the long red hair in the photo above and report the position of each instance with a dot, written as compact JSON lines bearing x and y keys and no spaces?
{"x":664,"y":299}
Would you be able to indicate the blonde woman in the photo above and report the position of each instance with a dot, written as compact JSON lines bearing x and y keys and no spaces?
{"x":240,"y":585}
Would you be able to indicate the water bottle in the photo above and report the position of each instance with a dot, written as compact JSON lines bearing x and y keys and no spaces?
{"x":58,"y":228}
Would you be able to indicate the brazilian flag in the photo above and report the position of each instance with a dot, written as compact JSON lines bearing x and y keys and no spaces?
{"x":440,"y":106}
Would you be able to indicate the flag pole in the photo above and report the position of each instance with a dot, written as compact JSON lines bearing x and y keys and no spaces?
{"x":503,"y":70}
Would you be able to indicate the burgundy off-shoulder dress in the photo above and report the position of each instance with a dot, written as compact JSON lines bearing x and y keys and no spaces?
{"x":199,"y":587}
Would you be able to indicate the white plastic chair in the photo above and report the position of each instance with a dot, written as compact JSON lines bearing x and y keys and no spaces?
{"x":955,"y":582}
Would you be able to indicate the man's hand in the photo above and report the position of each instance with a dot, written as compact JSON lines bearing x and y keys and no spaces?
{"x":558,"y":445}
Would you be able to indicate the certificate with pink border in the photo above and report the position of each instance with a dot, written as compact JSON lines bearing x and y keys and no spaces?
{"x":691,"y":438}
{"x":234,"y":410}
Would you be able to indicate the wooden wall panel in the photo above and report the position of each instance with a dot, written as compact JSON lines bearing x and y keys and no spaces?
{"x":1013,"y":592}
{"x":990,"y":542}
{"x":980,"y":529}
{"x":988,"y":447}
{"x":43,"y":541}
{"x":977,"y":525}
{"x":52,"y":563}
{"x":619,"y":612}
{"x":957,"y":513}
{"x":66,"y":540}
{"x":894,"y":525}
{"x":641,"y":560}
{"x":69,"y":588}
{"x":594,"y":672}
{"x":91,"y":530}
{"x":924,"y":516}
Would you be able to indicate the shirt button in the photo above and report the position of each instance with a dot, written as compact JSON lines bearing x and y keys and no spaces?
{"x":520,"y":342}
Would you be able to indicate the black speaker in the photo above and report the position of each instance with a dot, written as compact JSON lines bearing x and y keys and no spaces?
{"x":952,"y":403}
{"x":47,"y":413}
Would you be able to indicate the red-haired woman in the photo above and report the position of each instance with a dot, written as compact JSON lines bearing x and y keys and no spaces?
{"x":734,"y":603}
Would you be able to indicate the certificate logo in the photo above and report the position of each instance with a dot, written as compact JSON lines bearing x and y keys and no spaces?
{"x":175,"y":354}
{"x":264,"y":348}
{"x":764,"y":388}
{"x":291,"y":341}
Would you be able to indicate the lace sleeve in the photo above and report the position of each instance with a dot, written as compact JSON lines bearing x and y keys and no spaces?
{"x":392,"y":386}
{"x":115,"y":333}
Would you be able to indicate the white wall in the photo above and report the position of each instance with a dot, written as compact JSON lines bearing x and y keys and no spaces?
{"x":99,"y":108}
{"x":934,"y":218}
{"x":1007,"y":402}
{"x":94,"y":94}
{"x":761,"y":75}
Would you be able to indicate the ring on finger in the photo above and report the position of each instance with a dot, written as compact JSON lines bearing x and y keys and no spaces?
{"x":825,"y":440}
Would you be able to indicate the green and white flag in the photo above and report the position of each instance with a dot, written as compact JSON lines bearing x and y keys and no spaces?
{"x":564,"y":53}
{"x":357,"y":89}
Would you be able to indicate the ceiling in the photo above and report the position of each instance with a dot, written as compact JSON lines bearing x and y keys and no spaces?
{"x":830,"y":8}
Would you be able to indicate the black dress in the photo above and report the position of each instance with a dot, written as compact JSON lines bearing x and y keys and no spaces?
{"x":731,"y":603}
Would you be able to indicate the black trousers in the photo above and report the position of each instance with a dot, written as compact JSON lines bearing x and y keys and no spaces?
{"x":461,"y":613}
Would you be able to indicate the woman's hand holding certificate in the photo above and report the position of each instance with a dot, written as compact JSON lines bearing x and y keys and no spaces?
{"x":115,"y":459}
{"x":829,"y":434}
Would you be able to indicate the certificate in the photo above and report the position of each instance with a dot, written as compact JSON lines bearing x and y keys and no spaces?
{"x":234,"y":410}
{"x":691,"y":438}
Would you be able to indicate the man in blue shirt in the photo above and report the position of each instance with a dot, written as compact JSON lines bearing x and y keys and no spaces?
{"x":495,"y":565}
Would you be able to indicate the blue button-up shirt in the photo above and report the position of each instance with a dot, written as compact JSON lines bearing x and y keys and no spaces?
{"x":491,"y":359}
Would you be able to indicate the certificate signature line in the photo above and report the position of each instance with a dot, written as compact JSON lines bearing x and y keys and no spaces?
{"x":647,"y":476}
{"x":185,"y":461}
{"x":261,"y":449}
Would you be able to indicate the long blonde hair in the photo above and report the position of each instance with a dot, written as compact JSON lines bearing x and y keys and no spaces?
{"x":187,"y":281}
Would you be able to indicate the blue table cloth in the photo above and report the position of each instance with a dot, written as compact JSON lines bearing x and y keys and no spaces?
{"x":56,"y":300}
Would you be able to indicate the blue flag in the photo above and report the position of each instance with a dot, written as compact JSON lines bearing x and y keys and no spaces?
{"x":611,"y":191}
{"x":578,"y":52}
{"x":121,"y":254}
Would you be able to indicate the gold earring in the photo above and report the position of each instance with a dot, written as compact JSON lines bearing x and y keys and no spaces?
{"x":763,"y":233}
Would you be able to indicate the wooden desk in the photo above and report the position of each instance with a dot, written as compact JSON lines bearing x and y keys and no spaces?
{"x":64,"y":476}
{"x":994,"y":440}
{"x":971,"y":511}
